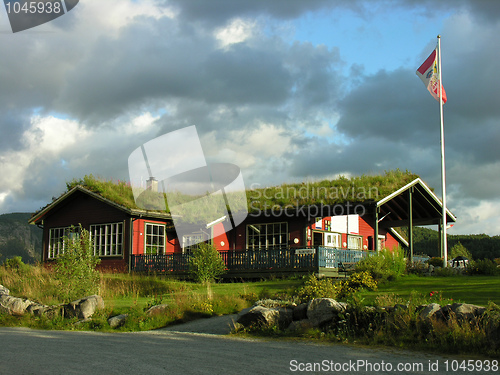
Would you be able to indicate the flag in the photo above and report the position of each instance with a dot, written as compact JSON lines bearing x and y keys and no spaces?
{"x":429,"y":74}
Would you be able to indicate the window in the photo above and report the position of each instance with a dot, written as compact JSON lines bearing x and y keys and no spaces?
{"x":107,"y":239}
{"x":332,"y":240}
{"x":154,"y":239}
{"x":191,"y":242}
{"x":355,"y":242}
{"x":56,"y":240}
{"x":267,"y":236}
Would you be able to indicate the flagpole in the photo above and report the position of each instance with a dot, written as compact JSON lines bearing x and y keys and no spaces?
{"x":443,"y":167}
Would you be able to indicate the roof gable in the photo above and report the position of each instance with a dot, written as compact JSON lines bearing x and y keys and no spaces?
{"x":63,"y":199}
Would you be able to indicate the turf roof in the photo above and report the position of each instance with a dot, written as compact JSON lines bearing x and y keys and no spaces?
{"x":326,"y":192}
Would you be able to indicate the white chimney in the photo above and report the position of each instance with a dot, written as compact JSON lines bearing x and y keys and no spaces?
{"x":152,"y":184}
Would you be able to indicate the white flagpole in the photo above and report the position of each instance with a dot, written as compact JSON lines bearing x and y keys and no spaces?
{"x":443,"y":168}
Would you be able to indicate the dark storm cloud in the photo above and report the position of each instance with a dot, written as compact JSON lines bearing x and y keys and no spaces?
{"x":13,"y":125}
{"x":217,"y":12}
{"x":388,"y":105}
{"x":138,"y":67}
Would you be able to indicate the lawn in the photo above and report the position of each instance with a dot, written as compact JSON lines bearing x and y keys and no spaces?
{"x":477,"y":290}
{"x":168,"y":290}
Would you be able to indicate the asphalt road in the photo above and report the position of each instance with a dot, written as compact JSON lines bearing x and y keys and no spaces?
{"x":26,"y":351}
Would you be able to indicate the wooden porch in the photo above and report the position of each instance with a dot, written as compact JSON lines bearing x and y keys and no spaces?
{"x":258,"y":263}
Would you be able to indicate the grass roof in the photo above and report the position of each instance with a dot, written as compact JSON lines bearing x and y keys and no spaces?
{"x":326,"y":192}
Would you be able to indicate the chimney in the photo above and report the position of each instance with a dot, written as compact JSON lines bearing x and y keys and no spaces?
{"x":152,"y":184}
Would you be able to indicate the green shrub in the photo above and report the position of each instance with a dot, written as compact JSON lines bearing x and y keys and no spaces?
{"x":484,"y":267}
{"x":460,"y":250}
{"x":76,"y":267}
{"x":356,"y":282}
{"x":206,"y":264}
{"x":436,"y":262}
{"x":385,"y":265}
{"x":16,"y":263}
{"x":316,"y":288}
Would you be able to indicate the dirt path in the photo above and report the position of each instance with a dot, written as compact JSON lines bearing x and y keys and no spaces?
{"x":219,"y":325}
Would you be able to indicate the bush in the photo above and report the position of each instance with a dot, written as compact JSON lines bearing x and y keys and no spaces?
{"x":316,"y":288}
{"x":460,"y":250}
{"x":356,"y":282}
{"x":385,"y":265}
{"x":484,"y":267}
{"x":206,"y":264}
{"x":16,"y":263}
{"x":436,"y":262}
{"x":76,"y":268}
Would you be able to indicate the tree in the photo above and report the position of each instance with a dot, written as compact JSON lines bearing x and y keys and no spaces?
{"x":206,"y":264}
{"x":76,"y":267}
{"x":460,"y":250}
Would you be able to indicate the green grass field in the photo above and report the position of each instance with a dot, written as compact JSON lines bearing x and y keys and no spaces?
{"x":477,"y":290}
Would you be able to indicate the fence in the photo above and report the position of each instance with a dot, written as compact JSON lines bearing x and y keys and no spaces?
{"x":306,"y":259}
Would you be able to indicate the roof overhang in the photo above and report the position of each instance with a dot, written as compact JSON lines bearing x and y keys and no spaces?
{"x":426,"y":207}
{"x":40,"y":215}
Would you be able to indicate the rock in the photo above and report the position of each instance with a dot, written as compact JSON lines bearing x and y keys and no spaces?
{"x":4,"y":290}
{"x":118,"y":320}
{"x":4,"y":310}
{"x":300,"y":312}
{"x":15,"y":305}
{"x":265,"y":317}
{"x":430,"y":310}
{"x":157,"y":309}
{"x":274,"y":303}
{"x":301,"y":325}
{"x":467,"y":311}
{"x":322,"y":310}
{"x":83,"y":308}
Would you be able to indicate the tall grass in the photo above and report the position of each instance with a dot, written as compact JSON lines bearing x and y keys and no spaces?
{"x":123,"y":294}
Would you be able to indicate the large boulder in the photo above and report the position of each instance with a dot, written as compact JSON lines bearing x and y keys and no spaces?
{"x":15,"y":305}
{"x":4,"y":290}
{"x":83,"y":308}
{"x":117,"y":321}
{"x":260,"y":316}
{"x":300,"y":312}
{"x":158,"y":309}
{"x":430,"y":311}
{"x":467,"y":311}
{"x":301,"y":325}
{"x":322,"y":310}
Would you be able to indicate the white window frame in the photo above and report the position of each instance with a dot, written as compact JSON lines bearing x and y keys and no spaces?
{"x":107,"y":239}
{"x":354,"y":242}
{"x":269,"y":236}
{"x":333,"y":240}
{"x":160,"y":247}
{"x":191,"y":242}
{"x":56,"y":240}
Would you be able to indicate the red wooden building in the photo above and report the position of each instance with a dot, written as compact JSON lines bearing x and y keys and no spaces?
{"x":129,"y":238}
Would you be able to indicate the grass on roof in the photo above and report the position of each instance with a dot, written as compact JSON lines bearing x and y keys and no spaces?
{"x":326,"y":192}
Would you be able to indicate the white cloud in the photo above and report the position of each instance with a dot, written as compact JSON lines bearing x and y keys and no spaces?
{"x":237,"y":31}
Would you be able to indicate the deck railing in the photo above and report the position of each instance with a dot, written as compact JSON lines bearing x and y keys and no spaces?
{"x":266,"y":259}
{"x":330,"y":258}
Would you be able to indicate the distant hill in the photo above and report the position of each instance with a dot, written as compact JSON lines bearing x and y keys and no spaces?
{"x":18,"y":238}
{"x":481,"y":246}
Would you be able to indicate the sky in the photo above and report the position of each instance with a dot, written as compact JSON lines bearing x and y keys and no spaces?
{"x":288,"y":90}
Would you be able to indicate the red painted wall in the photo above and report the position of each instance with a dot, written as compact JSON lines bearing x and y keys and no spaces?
{"x":171,"y":245}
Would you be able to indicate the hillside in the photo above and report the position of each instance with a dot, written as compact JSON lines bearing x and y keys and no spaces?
{"x":18,"y":238}
{"x":481,"y":246}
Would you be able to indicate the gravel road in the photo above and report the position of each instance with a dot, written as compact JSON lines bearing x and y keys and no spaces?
{"x":26,"y":351}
